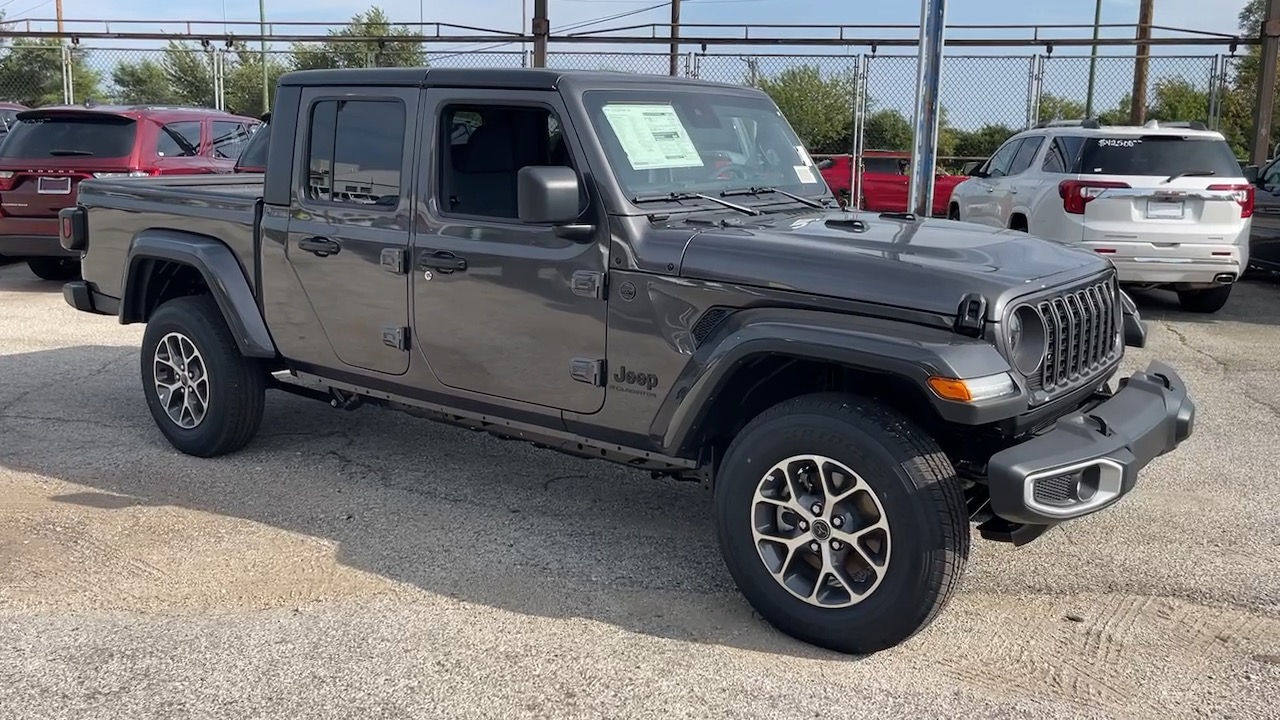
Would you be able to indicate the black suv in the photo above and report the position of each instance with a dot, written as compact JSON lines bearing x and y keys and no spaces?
{"x":649,"y":271}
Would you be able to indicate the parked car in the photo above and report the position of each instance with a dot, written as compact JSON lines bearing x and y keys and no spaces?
{"x":1167,"y":203}
{"x":49,"y":151}
{"x":8,"y":116}
{"x":885,"y":182}
{"x":855,"y":389}
{"x":1264,"y":236}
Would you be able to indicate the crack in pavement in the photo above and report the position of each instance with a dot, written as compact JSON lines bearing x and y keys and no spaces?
{"x":1222,"y":365}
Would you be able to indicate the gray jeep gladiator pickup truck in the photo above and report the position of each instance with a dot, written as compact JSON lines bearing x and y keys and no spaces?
{"x":649,"y":271}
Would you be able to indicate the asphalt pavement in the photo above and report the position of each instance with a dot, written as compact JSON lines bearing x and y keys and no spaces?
{"x":371,"y":565}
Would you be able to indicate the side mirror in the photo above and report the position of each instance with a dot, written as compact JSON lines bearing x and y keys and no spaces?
{"x":547,"y":194}
{"x":970,"y":167}
{"x":550,"y":194}
{"x":1251,"y":174}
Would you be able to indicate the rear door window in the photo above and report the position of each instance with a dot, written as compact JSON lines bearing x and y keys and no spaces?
{"x":95,"y":135}
{"x":179,"y":139}
{"x":1157,"y":156}
{"x":1026,"y":153}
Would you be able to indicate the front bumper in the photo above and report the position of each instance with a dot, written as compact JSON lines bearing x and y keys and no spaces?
{"x":1091,"y":459}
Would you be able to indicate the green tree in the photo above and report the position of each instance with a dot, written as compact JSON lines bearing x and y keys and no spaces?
{"x":1176,"y":98}
{"x":337,"y":53}
{"x":982,"y":142}
{"x":1054,"y":107}
{"x":183,"y":75}
{"x":819,"y":108}
{"x":1239,"y":103}
{"x":31,"y":73}
{"x":887,"y":130}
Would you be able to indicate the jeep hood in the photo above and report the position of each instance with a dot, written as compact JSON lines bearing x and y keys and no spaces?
{"x":926,"y":265}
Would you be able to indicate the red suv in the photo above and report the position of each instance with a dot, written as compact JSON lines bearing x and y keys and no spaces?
{"x":49,"y":150}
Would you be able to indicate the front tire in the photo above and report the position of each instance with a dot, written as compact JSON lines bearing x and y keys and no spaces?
{"x":206,"y":398}
{"x":56,"y":269}
{"x":843,"y":524}
{"x":1208,"y":300}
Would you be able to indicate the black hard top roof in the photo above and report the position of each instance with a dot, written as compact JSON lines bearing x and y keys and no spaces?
{"x":499,"y":78}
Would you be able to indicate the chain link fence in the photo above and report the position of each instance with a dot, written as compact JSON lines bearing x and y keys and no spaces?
{"x":837,"y":101}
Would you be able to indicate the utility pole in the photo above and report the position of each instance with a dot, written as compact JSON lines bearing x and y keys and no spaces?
{"x":1138,"y":101}
{"x":57,"y":9}
{"x":262,"y":50}
{"x":924,"y":155}
{"x":675,"y":37}
{"x":1264,"y":109}
{"x":541,"y":31}
{"x":1093,"y":58}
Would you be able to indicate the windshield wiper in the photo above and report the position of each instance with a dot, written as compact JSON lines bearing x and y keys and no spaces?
{"x":766,"y":190}
{"x":693,"y":196}
{"x":61,"y":152}
{"x":1190,"y":173}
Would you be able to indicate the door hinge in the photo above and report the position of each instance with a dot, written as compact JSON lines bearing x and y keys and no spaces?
{"x":587,"y":371}
{"x":396,"y":337}
{"x":588,"y":283}
{"x":395,"y":260}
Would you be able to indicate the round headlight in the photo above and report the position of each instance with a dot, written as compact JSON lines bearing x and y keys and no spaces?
{"x":1027,"y":338}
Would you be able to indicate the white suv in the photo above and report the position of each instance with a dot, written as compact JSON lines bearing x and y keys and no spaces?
{"x":1167,"y":203}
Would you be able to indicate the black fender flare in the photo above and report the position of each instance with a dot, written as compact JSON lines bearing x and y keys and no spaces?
{"x":909,"y":351}
{"x":222,"y":273}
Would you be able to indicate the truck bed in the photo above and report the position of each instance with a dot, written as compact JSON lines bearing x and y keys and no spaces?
{"x":220,"y":206}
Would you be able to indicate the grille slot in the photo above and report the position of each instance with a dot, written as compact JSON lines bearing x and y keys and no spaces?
{"x":1081,"y":327}
{"x":709,"y":321}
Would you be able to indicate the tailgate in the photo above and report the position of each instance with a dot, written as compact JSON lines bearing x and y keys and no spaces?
{"x":1164,"y":216}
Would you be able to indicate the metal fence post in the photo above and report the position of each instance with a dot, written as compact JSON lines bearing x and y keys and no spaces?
{"x":1215,"y":90}
{"x":68,"y":92}
{"x":1035,"y":88}
{"x":691,"y":64}
{"x":863,"y":70}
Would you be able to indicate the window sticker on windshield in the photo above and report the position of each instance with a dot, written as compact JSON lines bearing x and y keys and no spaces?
{"x":804,"y":155}
{"x":652,"y":136}
{"x":805,"y":174}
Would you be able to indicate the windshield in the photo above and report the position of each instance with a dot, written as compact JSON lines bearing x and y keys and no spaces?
{"x":1158,"y":155}
{"x":665,"y":142}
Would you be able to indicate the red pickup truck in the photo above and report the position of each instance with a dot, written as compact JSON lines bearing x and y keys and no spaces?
{"x":885,"y":182}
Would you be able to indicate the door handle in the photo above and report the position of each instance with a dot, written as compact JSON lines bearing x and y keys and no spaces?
{"x":442,"y":260}
{"x":990,"y":189}
{"x":321,"y":246}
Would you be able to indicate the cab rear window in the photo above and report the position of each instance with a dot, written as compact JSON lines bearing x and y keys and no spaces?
{"x":1157,"y":155}
{"x":253,"y":158}
{"x":97,"y":136}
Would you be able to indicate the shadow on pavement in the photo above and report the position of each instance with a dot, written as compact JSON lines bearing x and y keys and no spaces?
{"x":449,"y":511}
{"x":1254,"y":300}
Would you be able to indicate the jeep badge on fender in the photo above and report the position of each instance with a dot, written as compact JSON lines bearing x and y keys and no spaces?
{"x":648,"y":381}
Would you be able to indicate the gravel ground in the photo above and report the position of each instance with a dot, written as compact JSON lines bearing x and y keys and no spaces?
{"x":369,"y":564}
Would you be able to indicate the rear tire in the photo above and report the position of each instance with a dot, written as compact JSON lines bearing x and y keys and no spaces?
{"x":56,"y":269}
{"x":897,"y":473}
{"x":217,"y":408}
{"x":1209,"y":300}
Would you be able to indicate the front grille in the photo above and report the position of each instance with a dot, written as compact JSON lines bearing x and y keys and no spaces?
{"x":1082,"y":325}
